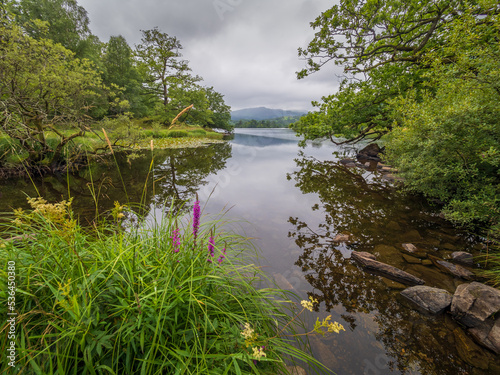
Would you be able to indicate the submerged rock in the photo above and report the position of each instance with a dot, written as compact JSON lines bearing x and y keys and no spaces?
{"x":385,"y":270}
{"x":431,"y":300}
{"x":454,"y":269}
{"x":469,"y":351}
{"x":473,"y":303}
{"x":463,"y":257}
{"x":488,"y":335}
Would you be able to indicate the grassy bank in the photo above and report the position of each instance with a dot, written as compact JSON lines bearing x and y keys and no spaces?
{"x":173,"y":297}
{"x":123,"y":134}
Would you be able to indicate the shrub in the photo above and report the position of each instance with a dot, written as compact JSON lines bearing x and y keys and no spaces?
{"x":178,"y":134}
{"x":162,"y":298}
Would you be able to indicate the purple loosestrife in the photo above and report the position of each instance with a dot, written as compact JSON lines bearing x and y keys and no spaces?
{"x":222,"y":257}
{"x":196,"y":219}
{"x":211,"y":243}
{"x":176,"y":240}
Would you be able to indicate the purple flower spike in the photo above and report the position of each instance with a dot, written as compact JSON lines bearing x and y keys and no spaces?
{"x":211,"y":243}
{"x":176,"y":240}
{"x":196,"y":218}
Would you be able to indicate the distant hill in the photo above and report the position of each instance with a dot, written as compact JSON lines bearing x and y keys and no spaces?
{"x":263,"y":113}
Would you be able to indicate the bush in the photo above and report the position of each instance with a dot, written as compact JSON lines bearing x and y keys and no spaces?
{"x":197,"y":132}
{"x":150,"y":299}
{"x":178,"y":134}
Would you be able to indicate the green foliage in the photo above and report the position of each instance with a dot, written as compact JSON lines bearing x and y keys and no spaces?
{"x":177,"y":134}
{"x":143,"y":300}
{"x":68,"y":24}
{"x":280,"y":122}
{"x":41,"y":85}
{"x":383,"y":47}
{"x":446,"y":145}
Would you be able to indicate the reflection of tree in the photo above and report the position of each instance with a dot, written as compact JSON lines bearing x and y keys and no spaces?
{"x":175,"y":173}
{"x":411,"y":340}
{"x":184,"y":171}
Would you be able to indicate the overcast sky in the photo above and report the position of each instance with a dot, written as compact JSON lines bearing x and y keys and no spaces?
{"x":246,"y":49}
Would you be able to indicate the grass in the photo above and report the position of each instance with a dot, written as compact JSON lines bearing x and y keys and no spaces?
{"x":143,"y":299}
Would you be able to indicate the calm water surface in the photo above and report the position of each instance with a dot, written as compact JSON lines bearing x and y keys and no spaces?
{"x":294,"y":202}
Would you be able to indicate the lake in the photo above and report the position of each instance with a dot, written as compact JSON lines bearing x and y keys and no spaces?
{"x":294,"y":202}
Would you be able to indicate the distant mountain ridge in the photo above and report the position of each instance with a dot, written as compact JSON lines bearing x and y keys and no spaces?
{"x":263,"y":113}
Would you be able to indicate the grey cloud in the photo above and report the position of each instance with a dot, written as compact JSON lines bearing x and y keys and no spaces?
{"x":248,"y":52}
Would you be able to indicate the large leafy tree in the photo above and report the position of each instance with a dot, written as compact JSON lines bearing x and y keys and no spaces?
{"x":42,"y":85}
{"x":446,"y":144}
{"x":160,"y":60}
{"x":382,"y":46}
{"x":120,"y":70}
{"x":68,"y":24}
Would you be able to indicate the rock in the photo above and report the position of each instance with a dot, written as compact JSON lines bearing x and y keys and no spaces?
{"x":393,"y":226}
{"x":473,"y":303}
{"x":413,"y":236}
{"x":386,"y":270}
{"x":449,"y":246}
{"x":431,"y":300}
{"x":413,"y":251}
{"x":411,"y":260}
{"x":388,"y":254}
{"x":294,"y":370}
{"x":469,"y":351}
{"x":349,"y":163}
{"x":370,"y":152}
{"x":427,"y":262}
{"x":341,"y":238}
{"x":487,"y":334}
{"x":363,"y":254}
{"x":411,"y":248}
{"x":454,"y":269}
{"x":392,"y":284}
{"x":282,"y":282}
{"x":463,"y":257}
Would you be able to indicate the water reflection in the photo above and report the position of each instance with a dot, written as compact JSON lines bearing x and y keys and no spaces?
{"x":146,"y":178}
{"x":387,"y":335}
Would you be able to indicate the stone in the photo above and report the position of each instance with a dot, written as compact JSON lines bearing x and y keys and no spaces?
{"x":431,"y":300}
{"x":282,"y":282}
{"x":486,"y":335}
{"x":386,"y":270}
{"x":411,"y":260}
{"x":294,"y":370}
{"x":393,"y":226}
{"x":427,"y":262}
{"x":463,"y":258}
{"x":449,"y":246}
{"x":388,"y":254}
{"x":469,"y":351}
{"x":413,"y":250}
{"x":453,"y":269}
{"x":413,"y":236}
{"x":370,"y":152}
{"x":363,"y":254}
{"x":341,"y":238}
{"x":474,"y":302}
{"x":392,"y":284}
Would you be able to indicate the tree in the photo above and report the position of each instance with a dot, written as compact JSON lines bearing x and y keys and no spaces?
{"x":120,"y":70}
{"x":446,"y":145}
{"x":68,"y":23}
{"x":382,"y":46}
{"x":42,"y":84}
{"x":160,"y":60}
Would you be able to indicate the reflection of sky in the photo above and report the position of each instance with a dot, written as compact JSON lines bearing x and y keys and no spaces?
{"x":255,"y":183}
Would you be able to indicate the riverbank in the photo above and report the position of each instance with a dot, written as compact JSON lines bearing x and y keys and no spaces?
{"x":148,"y":298}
